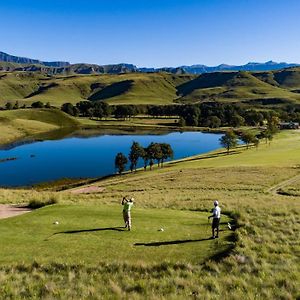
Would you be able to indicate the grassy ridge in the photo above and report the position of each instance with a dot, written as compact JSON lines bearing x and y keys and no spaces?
{"x":145,"y":88}
{"x":236,"y":87}
{"x":264,"y":263}
{"x":16,"y":124}
{"x":264,"y":88}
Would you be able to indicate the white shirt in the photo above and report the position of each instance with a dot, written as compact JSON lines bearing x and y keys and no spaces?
{"x":216,"y":212}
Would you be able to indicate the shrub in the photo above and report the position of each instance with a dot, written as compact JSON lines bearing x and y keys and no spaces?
{"x":34,"y":203}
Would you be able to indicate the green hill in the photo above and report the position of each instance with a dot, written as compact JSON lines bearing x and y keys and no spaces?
{"x":236,"y":87}
{"x":16,"y":124}
{"x":115,"y":89}
{"x":287,"y":78}
{"x":259,"y":88}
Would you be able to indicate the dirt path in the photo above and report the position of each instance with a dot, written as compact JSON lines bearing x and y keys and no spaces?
{"x":274,"y":189}
{"x":7,"y":211}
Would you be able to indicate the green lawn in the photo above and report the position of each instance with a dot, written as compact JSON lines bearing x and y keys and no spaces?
{"x":93,"y":234}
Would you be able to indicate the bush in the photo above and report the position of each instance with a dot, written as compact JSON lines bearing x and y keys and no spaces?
{"x":34,"y":204}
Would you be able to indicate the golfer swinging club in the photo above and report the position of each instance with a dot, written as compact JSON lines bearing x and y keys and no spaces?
{"x":127,"y":205}
{"x":216,"y":215}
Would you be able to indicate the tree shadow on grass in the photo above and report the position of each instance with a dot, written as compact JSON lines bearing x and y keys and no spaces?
{"x":92,"y":230}
{"x":176,"y":242}
{"x":86,"y":230}
{"x":203,"y":157}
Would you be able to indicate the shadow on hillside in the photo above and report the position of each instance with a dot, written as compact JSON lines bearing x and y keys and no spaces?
{"x":176,"y":242}
{"x":113,"y":90}
{"x":214,"y":155}
{"x":92,"y":230}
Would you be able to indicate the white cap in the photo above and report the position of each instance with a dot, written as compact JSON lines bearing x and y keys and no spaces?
{"x":216,"y":203}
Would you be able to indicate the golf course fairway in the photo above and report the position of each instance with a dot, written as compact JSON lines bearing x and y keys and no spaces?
{"x":88,"y":255}
{"x":91,"y":234}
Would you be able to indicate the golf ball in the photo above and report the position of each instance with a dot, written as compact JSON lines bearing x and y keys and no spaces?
{"x":56,"y":223}
{"x":161,"y":229}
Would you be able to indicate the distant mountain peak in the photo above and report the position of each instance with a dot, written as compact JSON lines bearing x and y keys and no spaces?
{"x":59,"y":67}
{"x":24,"y":60}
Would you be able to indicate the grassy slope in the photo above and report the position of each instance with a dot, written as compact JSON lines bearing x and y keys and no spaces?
{"x":264,"y":264}
{"x":16,"y":124}
{"x":145,"y":89}
{"x":233,"y":87}
{"x":158,"y":88}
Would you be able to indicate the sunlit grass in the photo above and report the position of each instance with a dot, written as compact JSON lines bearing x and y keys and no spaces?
{"x":263,"y":265}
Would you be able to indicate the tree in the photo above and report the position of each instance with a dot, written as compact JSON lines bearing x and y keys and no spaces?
{"x":101,"y":110}
{"x":267,"y":134}
{"x":181,"y":122}
{"x":16,"y":106}
{"x":229,"y":140}
{"x":152,"y":153}
{"x":191,"y":114}
{"x":256,"y":142}
{"x":253,"y":118}
{"x":120,"y":162}
{"x":213,"y":122}
{"x":236,"y":120}
{"x":8,"y":106}
{"x":135,"y":153}
{"x":248,"y":138}
{"x":70,"y":109}
{"x":158,"y":154}
{"x":37,"y":104}
{"x":84,"y":108}
{"x":272,"y":125}
{"x":145,"y":157}
{"x":167,"y":152}
{"x":125,"y":111}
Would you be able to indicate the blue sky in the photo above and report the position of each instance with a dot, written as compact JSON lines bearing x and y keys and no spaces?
{"x":152,"y":32}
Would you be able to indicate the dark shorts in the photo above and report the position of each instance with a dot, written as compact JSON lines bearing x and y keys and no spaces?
{"x":215,"y":223}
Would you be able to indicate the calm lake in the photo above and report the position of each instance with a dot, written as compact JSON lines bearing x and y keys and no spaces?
{"x":86,"y":157}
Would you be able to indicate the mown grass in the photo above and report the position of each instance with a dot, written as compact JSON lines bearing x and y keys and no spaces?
{"x":263,"y":265}
{"x":94,"y":234}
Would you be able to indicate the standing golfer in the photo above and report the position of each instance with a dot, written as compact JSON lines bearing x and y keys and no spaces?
{"x":216,"y":215}
{"x":127,"y":205}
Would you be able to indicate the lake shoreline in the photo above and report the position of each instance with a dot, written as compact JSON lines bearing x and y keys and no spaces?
{"x":80,"y":159}
{"x":30,"y":138}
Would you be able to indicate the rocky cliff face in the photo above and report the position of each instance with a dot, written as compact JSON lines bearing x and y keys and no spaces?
{"x":24,"y":60}
{"x":15,"y":63}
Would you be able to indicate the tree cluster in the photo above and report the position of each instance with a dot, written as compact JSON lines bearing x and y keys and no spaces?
{"x":208,"y":114}
{"x":89,"y":109}
{"x":230,"y":139}
{"x":214,"y":115}
{"x":158,"y":152}
{"x":16,"y":105}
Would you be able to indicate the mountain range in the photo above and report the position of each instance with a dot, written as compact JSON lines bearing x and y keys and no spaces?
{"x":15,"y":63}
